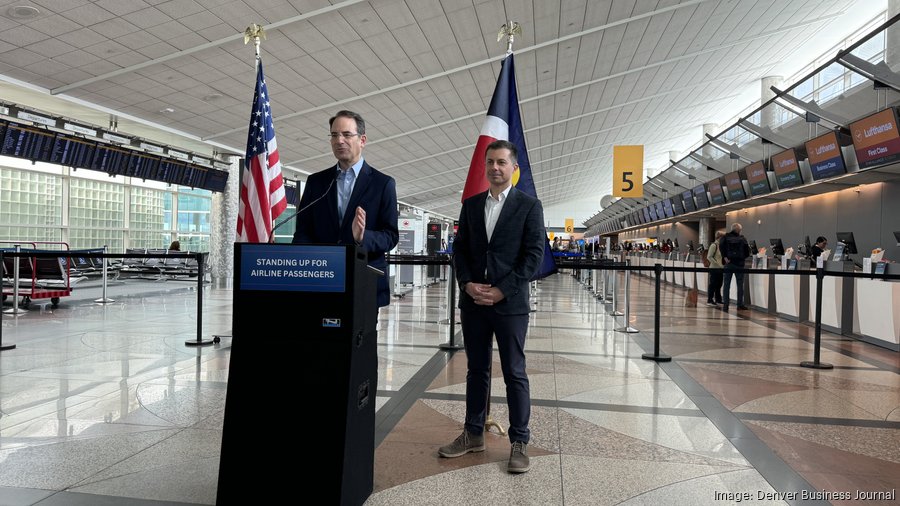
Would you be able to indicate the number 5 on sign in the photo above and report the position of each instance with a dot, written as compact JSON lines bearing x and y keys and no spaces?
{"x":628,"y":171}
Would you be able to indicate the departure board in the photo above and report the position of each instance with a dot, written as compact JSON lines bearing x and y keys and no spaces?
{"x":27,"y":142}
{"x":73,"y":152}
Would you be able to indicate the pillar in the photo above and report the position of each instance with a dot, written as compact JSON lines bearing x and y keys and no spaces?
{"x":892,"y":38}
{"x":706,"y":231}
{"x":711,"y":129}
{"x":223,"y":225}
{"x":768,"y":115}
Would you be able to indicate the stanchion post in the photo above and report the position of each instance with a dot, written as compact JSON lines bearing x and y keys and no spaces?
{"x":200,"y":341}
{"x":103,"y":299}
{"x":817,"y":344}
{"x":656,"y":356}
{"x":627,"y":328}
{"x":451,"y":343}
{"x":615,"y":293}
{"x":3,"y":346}
{"x":15,"y":309}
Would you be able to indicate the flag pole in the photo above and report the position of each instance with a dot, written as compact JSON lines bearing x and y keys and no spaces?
{"x":508,"y":30}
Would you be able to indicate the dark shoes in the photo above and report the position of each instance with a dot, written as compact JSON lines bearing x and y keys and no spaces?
{"x":470,"y":443}
{"x":518,"y":458}
{"x":743,"y":308}
{"x":465,"y":443}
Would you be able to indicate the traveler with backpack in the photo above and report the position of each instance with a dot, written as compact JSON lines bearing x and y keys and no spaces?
{"x":714,"y":259}
{"x":735,"y":251}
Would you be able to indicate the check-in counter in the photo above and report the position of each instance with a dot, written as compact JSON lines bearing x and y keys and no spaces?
{"x":837,"y":299}
{"x":792,"y":294}
{"x":668,"y":275}
{"x":702,"y":279}
{"x":762,"y":286}
{"x":679,"y":275}
{"x":690,"y":279}
{"x":876,"y":312}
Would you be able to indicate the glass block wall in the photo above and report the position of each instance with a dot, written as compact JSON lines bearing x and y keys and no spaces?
{"x":87,"y":212}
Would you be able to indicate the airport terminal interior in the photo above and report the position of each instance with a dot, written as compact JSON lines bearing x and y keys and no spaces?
{"x":124,"y":135}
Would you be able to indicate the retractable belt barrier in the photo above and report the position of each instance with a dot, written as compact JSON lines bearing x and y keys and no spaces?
{"x":451,"y":343}
{"x":199,"y":257}
{"x":658,"y":269}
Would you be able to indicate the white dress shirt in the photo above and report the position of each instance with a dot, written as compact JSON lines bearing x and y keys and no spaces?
{"x":492,"y":208}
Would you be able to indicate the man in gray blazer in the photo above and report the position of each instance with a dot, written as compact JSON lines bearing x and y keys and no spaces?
{"x":498,"y":249}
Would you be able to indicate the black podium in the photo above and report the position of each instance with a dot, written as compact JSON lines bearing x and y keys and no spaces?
{"x":303,"y":340}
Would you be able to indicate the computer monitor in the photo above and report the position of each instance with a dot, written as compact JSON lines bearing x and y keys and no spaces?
{"x":897,"y":237}
{"x":777,"y":246}
{"x":849,"y":243}
{"x":753,"y":249}
{"x":807,"y":247}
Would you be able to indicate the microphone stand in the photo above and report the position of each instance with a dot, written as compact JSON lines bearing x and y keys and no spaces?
{"x":304,"y":208}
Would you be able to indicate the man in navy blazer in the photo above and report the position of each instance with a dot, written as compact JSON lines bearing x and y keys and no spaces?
{"x":367,"y":198}
{"x":498,"y":249}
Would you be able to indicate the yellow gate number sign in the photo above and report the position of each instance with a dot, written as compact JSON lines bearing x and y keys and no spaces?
{"x":570,"y":225}
{"x":628,"y":171}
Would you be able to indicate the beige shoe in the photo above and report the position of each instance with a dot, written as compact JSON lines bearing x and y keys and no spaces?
{"x":465,"y":443}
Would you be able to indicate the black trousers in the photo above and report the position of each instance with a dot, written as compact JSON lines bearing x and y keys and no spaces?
{"x":479,"y":327}
{"x":714,"y":291}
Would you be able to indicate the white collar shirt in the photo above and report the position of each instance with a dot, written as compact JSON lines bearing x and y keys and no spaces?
{"x":492,"y":208}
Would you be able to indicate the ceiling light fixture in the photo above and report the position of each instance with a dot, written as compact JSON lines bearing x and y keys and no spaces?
{"x":166,"y":110}
{"x":22,"y":12}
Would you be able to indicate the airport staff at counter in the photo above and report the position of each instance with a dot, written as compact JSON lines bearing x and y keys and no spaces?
{"x":817,"y":248}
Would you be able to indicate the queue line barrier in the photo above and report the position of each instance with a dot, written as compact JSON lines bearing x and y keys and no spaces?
{"x":657,"y":269}
{"x":198,"y":257}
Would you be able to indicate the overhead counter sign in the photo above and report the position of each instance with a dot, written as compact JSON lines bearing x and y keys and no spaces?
{"x":875,"y":139}
{"x":628,"y":171}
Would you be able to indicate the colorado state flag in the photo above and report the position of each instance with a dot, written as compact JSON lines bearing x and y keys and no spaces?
{"x":503,"y":122}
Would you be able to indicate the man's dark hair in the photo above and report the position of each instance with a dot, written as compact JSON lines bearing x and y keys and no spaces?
{"x":360,"y":122}
{"x":821,"y":239}
{"x":501,"y":144}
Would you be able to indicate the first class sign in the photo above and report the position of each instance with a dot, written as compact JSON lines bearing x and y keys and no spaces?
{"x":293,"y":268}
{"x":876,"y":139}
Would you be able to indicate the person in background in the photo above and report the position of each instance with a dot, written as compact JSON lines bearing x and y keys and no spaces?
{"x":817,"y":248}
{"x":557,"y":244}
{"x":175,"y":246}
{"x":714,"y":256}
{"x":735,"y":251}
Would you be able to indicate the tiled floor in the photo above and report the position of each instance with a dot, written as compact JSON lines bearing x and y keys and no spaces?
{"x":106,"y":405}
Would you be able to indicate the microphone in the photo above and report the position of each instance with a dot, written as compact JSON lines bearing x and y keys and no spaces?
{"x":307,"y":206}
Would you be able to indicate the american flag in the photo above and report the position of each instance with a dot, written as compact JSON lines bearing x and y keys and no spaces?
{"x":262,"y":188}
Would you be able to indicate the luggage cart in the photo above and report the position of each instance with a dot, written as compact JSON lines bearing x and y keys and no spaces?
{"x":39,"y":277}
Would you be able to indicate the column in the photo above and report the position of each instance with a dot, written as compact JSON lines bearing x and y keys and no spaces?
{"x":706,"y":232}
{"x":224,"y":227}
{"x":768,"y":116}
{"x":711,"y":129}
{"x":892,"y":38}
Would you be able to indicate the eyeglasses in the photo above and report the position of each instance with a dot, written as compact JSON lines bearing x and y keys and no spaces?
{"x":346,"y":135}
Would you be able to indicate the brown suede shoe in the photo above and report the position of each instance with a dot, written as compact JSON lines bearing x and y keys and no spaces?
{"x":465,"y":443}
{"x":518,"y":458}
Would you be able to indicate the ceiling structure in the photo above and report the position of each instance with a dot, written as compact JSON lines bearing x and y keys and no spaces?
{"x":591,"y":74}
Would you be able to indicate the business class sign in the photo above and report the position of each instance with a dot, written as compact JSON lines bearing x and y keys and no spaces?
{"x":293,"y":268}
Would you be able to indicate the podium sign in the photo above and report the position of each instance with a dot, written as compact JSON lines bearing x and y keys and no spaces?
{"x":293,"y":268}
{"x":303,"y":328}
